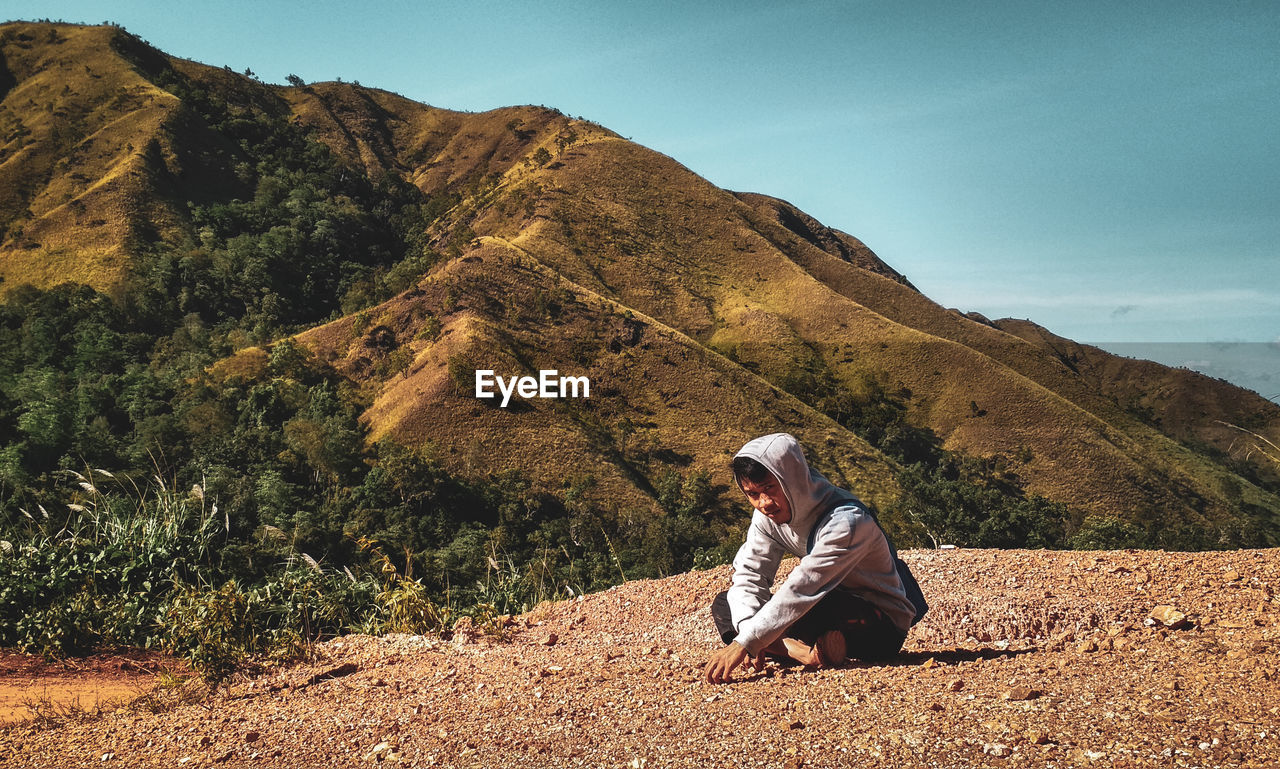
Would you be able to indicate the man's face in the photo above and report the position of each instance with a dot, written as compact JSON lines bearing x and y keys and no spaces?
{"x":768,"y":498}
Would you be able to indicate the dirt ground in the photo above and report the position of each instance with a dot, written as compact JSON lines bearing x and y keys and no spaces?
{"x":33,"y":688}
{"x":1027,"y":658}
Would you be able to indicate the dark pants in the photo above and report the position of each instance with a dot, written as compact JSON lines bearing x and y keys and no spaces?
{"x":868,"y":634}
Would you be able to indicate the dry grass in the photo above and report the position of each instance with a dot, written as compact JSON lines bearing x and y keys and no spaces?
{"x":564,"y":208}
{"x":691,"y":407}
{"x":74,"y":176}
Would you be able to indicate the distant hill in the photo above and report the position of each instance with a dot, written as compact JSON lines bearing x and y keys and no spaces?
{"x":702,"y":316}
{"x":1252,"y":365}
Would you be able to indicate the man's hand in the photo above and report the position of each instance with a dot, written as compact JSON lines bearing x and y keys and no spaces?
{"x":722,"y":663}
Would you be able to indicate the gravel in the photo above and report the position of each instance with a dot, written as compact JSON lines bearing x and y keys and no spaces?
{"x":1027,"y":658}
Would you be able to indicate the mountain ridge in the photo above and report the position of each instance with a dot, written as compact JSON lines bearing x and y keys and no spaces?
{"x":640,"y":262}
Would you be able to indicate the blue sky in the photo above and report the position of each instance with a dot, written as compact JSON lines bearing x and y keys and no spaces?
{"x":1108,"y":170}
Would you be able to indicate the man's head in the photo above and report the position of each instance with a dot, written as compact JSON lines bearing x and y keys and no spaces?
{"x":762,"y":488}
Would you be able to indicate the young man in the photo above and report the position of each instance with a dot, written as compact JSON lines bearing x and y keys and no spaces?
{"x":844,"y":597}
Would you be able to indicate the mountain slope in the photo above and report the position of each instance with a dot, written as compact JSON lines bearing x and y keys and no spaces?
{"x":702,"y":316}
{"x":79,"y":127}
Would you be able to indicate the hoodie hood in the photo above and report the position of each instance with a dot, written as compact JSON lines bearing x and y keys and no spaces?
{"x":808,"y":492}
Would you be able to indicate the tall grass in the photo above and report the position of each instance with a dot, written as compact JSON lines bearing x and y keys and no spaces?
{"x":144,"y":565}
{"x":95,"y":571}
{"x":150,"y":565}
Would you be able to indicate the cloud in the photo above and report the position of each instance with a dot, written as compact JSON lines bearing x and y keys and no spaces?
{"x":1123,"y":310}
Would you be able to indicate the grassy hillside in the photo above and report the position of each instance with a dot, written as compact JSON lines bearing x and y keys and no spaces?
{"x":81,"y":131}
{"x":402,"y":246}
{"x":660,"y":401}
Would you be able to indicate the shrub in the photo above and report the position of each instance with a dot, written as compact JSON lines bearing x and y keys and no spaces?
{"x":402,"y":603}
{"x":98,"y":574}
{"x":1107,"y":532}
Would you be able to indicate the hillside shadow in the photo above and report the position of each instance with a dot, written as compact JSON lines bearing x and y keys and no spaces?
{"x":7,"y":79}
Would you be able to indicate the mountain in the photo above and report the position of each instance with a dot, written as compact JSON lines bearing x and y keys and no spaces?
{"x":702,"y":317}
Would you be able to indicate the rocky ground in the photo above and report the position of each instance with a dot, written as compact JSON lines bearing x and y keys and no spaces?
{"x":1026,"y":659}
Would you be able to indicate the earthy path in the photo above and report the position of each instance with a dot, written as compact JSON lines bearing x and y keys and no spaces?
{"x":31,"y":687}
{"x":1027,"y":659}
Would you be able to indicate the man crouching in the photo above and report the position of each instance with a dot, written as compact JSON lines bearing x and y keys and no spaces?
{"x":844,"y":598}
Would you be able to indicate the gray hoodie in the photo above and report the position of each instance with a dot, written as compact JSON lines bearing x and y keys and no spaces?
{"x":849,"y":551}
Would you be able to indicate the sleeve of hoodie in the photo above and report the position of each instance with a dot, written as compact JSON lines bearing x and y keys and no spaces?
{"x":754,"y":568}
{"x":838,"y":547}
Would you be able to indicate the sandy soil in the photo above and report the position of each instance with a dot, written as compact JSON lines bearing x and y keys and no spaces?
{"x":32,"y":687}
{"x":1026,"y":659}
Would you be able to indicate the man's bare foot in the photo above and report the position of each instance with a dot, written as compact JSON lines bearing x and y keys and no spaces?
{"x":828,"y":652}
{"x":802,"y":652}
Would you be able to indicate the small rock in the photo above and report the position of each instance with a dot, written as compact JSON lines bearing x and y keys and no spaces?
{"x":205,"y":740}
{"x":1170,"y":617}
{"x":378,"y":750}
{"x":1036,"y":737}
{"x":955,"y":684}
{"x":936,"y":707}
{"x":550,"y":639}
{"x":997,"y":749}
{"x":795,"y":725}
{"x":1086,"y":646}
{"x":930,"y":663}
{"x":1231,"y":576}
{"x":1020,"y":694}
{"x":108,"y":756}
{"x":251,"y":736}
